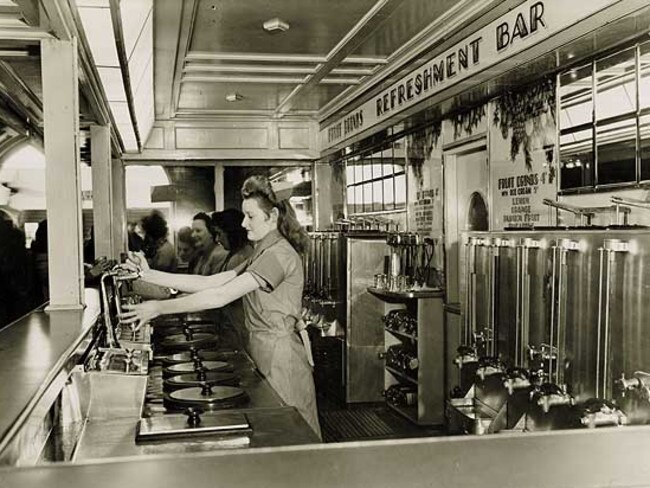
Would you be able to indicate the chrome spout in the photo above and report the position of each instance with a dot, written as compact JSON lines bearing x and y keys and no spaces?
{"x":549,"y":395}
{"x":598,"y":412}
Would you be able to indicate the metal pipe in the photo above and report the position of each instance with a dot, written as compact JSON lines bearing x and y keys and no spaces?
{"x":553,"y":298}
{"x":601,"y":252}
{"x":494,"y":266}
{"x":610,"y":257}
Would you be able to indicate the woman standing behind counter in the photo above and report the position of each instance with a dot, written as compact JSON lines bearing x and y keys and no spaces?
{"x":270,"y":282}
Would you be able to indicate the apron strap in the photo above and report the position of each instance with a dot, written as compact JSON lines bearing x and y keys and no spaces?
{"x":301,"y":328}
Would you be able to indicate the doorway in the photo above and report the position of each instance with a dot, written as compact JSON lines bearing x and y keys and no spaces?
{"x":466,"y":207}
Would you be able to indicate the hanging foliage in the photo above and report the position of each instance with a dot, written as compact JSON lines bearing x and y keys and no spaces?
{"x":468,"y":120}
{"x":521,"y":111}
{"x":420,"y":146}
{"x":338,"y":167}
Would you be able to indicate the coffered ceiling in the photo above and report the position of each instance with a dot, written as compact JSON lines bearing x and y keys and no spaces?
{"x":210,"y":51}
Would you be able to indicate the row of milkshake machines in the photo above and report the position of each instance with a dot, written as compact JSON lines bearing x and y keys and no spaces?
{"x":552,"y":331}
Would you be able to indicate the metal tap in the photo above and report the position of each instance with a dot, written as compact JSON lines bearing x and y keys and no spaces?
{"x":544,"y":353}
{"x":549,"y":395}
{"x":516,"y":379}
{"x":597,"y":412}
{"x":639,"y":384}
{"x":488,"y":366}
{"x":466,"y":355}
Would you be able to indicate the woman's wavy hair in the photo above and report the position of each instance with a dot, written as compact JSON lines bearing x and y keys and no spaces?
{"x":155,"y":225}
{"x":259,"y":188}
{"x":208,"y":223}
{"x":229,"y":221}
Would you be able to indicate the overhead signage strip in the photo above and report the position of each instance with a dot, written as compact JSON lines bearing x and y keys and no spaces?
{"x":529,"y":24}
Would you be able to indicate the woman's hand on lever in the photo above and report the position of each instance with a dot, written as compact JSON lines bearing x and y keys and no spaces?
{"x":137,"y":262}
{"x":138,"y":314}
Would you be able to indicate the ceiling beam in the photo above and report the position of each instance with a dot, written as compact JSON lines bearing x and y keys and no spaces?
{"x":379,"y":12}
{"x":90,"y":84}
{"x":56,"y":21}
{"x":19,"y":89}
{"x":30,"y":11}
{"x":247,"y":68}
{"x":281,"y":58}
{"x":190,"y":8}
{"x":23,"y":34}
{"x":266,"y":79}
{"x":116,"y":18}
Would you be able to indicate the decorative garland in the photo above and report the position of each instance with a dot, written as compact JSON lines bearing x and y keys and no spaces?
{"x":338,"y":168}
{"x":420,"y":146}
{"x":520,"y":111}
{"x":468,"y":120}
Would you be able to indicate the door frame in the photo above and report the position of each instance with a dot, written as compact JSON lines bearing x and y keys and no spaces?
{"x":450,"y":226}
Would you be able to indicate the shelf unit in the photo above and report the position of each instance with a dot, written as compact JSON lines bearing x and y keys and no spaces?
{"x":427,"y":307}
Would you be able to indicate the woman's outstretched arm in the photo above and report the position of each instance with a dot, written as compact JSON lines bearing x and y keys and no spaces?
{"x":182,"y":282}
{"x":142,"y":313}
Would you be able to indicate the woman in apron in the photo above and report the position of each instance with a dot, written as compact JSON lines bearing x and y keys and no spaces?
{"x":271,"y":284}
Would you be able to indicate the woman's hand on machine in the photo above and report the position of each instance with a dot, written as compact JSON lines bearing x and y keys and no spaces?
{"x":138,"y":314}
{"x":136,"y":262}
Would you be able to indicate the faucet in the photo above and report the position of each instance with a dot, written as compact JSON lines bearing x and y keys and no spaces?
{"x":488,"y":366}
{"x":465,"y":355}
{"x":598,"y":412}
{"x":638,"y":384}
{"x":549,"y":395}
{"x":516,"y":379}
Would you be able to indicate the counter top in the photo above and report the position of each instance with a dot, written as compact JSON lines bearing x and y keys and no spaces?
{"x":580,"y":459}
{"x":32,"y":351}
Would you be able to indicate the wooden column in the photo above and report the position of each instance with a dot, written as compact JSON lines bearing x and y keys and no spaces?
{"x":119,"y":208}
{"x":102,"y":172}
{"x":218,"y":187}
{"x":62,"y":174}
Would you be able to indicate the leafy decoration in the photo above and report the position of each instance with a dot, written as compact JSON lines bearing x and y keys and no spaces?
{"x":338,"y":168}
{"x":520,"y":111}
{"x":420,"y":146}
{"x":468,"y":120}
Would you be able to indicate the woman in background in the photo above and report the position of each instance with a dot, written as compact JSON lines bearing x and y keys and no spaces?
{"x":233,"y":237}
{"x":270,"y":283}
{"x":159,"y":250}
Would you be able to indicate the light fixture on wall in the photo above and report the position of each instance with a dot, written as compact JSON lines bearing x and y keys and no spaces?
{"x":275,"y":25}
{"x":234,"y":97}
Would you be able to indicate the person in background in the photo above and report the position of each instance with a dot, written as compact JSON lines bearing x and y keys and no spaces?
{"x":232,"y":236}
{"x":228,"y":225}
{"x":39,"y":257}
{"x":15,"y":277}
{"x":159,"y":250}
{"x":136,"y":242}
{"x":210,"y":254}
{"x":270,"y":283}
{"x":185,"y":249}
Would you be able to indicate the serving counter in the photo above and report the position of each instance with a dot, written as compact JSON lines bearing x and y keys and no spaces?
{"x":40,"y":358}
{"x":55,"y":408}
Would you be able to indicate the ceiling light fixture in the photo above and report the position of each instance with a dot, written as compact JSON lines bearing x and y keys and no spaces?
{"x":234,"y":97}
{"x":275,"y":25}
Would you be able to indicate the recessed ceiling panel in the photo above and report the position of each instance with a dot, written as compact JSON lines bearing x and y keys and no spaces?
{"x":316,"y":26}
{"x":317,"y":97}
{"x":212,"y":96}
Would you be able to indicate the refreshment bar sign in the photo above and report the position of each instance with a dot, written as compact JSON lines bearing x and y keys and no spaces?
{"x":519,"y":29}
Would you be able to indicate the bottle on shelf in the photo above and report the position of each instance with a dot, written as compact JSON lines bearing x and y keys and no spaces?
{"x":401,"y":321}
{"x":402,"y":359}
{"x":401,"y":395}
